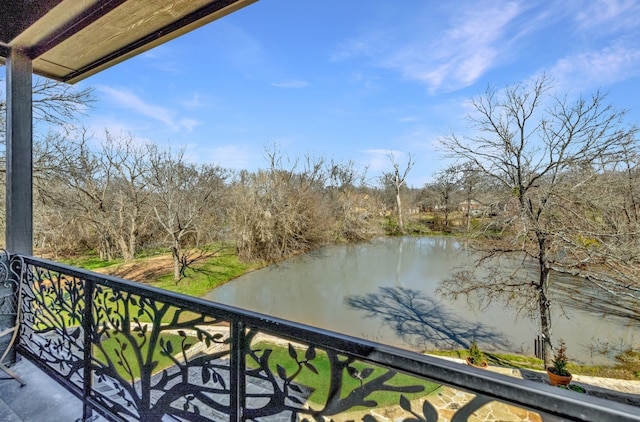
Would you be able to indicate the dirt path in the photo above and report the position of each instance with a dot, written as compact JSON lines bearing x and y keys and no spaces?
{"x":143,"y":271}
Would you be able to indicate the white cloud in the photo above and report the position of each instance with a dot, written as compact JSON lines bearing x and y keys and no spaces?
{"x":368,"y":81}
{"x":158,"y":52}
{"x":594,"y":69}
{"x":608,"y":15}
{"x":241,"y":48}
{"x":131,"y":101}
{"x":291,"y":83}
{"x":452,"y":47}
{"x":460,"y":54}
{"x":96,"y":126}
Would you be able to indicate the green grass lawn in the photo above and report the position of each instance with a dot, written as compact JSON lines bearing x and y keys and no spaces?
{"x":124,"y":357}
{"x":90,"y":262}
{"x":320,"y":382}
{"x":207,"y":274}
{"x":201,"y":277}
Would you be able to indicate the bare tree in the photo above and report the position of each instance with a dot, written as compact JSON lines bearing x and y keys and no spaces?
{"x":183,"y":196}
{"x":604,"y":249}
{"x":352,"y":205}
{"x":104,"y":188}
{"x":468,"y":180}
{"x":281,"y":211}
{"x":447,"y":184}
{"x":398,"y":177}
{"x":529,"y":147}
{"x":88,"y":182}
{"x":56,"y":102}
{"x":127,"y":163}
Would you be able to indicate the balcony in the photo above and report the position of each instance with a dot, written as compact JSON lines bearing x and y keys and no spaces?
{"x":124,"y":351}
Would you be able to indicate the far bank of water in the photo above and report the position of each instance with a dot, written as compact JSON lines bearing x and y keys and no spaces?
{"x":392,"y":283}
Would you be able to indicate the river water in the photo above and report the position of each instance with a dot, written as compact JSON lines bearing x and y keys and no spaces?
{"x":386,"y":291}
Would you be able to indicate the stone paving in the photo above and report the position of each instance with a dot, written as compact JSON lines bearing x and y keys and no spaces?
{"x":447,"y":401}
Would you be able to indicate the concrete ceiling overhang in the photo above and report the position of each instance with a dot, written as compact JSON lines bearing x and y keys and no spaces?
{"x":69,"y":40}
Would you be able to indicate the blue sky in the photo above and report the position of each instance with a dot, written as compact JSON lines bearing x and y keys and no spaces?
{"x":356,"y":80}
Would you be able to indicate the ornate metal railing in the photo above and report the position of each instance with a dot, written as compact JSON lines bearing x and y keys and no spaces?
{"x":132,"y":352}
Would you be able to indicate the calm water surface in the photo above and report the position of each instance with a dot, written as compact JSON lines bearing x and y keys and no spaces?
{"x":394,"y":281}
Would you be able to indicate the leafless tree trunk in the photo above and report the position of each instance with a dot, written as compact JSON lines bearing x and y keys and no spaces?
{"x":399,"y":176}
{"x":469,"y":179}
{"x":183,"y":195}
{"x":530,"y":147}
{"x":104,"y":186}
{"x":88,"y":187}
{"x":447,"y":185}
{"x":128,"y":163}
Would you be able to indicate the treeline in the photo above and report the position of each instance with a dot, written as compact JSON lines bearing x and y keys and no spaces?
{"x":116,"y":196}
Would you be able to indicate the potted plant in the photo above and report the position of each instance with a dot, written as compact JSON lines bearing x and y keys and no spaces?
{"x":476,"y":357}
{"x":558,"y":373}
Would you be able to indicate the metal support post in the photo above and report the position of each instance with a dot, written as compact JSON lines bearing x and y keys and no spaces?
{"x":19,"y":188}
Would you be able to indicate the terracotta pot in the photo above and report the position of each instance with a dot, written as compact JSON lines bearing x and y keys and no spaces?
{"x":482,"y":364}
{"x":558,"y":379}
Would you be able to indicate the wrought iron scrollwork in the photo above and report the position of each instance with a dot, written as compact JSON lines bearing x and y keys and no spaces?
{"x":128,"y":334}
{"x":136,"y":353}
{"x":287,"y":395}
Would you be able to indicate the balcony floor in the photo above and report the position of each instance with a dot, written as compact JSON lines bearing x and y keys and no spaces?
{"x":41,"y":396}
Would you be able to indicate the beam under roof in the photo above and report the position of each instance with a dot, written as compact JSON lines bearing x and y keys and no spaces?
{"x":69,"y":40}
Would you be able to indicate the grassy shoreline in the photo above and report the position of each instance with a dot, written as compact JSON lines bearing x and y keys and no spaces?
{"x":156,"y":270}
{"x":627,"y":369}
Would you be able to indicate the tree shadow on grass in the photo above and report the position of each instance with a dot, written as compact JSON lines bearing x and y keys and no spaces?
{"x":422,"y":322}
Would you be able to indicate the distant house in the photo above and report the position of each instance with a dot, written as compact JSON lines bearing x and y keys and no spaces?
{"x":465,"y":206}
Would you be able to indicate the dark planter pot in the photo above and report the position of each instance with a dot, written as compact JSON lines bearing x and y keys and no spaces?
{"x":482,"y":364}
{"x":558,"y":379}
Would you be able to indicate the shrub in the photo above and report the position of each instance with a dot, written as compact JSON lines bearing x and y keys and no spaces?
{"x":476,"y":357}
{"x":561,"y":361}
